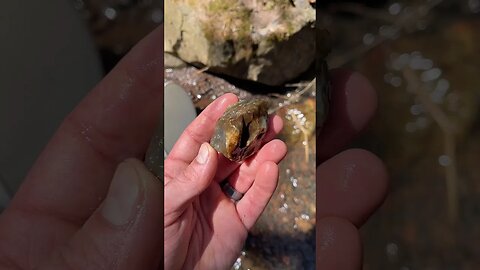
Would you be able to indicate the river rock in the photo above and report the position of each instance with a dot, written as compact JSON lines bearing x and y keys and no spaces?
{"x":269,"y":41}
{"x":240,"y":131}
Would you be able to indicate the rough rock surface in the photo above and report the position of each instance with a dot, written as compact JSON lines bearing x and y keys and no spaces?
{"x":240,"y":131}
{"x":269,"y":41}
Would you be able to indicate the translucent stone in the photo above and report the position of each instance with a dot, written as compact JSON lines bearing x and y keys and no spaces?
{"x":240,"y":131}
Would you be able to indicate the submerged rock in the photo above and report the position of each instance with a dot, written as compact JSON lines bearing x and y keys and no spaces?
{"x":240,"y":131}
{"x":298,"y":121}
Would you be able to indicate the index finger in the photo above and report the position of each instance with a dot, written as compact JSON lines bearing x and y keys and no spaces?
{"x":200,"y":130}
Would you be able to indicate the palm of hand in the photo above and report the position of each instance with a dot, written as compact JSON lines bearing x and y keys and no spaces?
{"x":203,"y":228}
{"x":211,"y":231}
{"x":56,"y":214}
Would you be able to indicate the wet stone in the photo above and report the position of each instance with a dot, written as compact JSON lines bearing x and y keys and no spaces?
{"x":240,"y":131}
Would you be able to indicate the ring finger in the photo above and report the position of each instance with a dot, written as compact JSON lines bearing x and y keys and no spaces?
{"x":242,"y":178}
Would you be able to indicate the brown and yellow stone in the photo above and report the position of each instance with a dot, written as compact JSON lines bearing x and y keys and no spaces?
{"x":241,"y":129}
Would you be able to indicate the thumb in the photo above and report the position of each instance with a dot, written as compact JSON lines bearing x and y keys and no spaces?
{"x":190,"y":183}
{"x":123,"y":232}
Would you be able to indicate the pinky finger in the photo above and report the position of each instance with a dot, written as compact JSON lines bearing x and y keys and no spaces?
{"x":251,"y":206}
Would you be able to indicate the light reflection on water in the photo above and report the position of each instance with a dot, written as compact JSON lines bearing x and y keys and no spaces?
{"x":426,"y":130}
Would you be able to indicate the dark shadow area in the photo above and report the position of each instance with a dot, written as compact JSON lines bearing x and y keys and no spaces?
{"x":290,"y":251}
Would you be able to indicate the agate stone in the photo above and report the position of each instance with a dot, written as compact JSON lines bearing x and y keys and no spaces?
{"x":240,"y":131}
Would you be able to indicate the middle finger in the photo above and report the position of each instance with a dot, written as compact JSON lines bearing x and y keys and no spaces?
{"x":275,"y":125}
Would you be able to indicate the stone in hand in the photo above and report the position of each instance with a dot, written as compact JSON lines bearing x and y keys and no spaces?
{"x":240,"y":131}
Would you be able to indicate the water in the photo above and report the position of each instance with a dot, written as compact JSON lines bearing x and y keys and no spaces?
{"x":426,"y":130}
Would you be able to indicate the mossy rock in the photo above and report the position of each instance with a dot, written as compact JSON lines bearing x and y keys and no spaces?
{"x":270,"y":41}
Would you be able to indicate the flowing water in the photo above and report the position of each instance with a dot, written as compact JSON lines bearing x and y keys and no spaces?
{"x":425,"y":70}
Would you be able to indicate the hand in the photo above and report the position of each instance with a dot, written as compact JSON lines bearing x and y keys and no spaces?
{"x":352,"y":184}
{"x":203,"y":228}
{"x":69,"y":213}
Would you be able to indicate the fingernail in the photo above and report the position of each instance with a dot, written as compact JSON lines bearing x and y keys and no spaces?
{"x":202,"y":156}
{"x":120,"y":204}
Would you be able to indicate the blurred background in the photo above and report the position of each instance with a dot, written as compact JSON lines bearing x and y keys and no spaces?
{"x":117,"y":25}
{"x":423,"y":58}
{"x":53,"y":53}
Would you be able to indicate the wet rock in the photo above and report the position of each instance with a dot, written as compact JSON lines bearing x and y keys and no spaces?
{"x":298,"y":121}
{"x":285,"y":231}
{"x":203,"y":87}
{"x":240,"y":131}
{"x":269,"y":41}
{"x":171,"y":61}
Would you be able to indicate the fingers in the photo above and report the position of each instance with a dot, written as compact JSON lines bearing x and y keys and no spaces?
{"x":116,"y":120}
{"x":201,"y":130}
{"x":338,"y":245}
{"x":351,"y":185}
{"x":189,"y":183}
{"x":251,"y":206}
{"x":243,"y":177}
{"x":275,"y":125}
{"x":353,"y":104}
{"x":123,"y":232}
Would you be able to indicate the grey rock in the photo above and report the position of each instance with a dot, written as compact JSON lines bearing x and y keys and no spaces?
{"x":270,"y":41}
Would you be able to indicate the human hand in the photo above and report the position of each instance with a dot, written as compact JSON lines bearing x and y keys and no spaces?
{"x":69,"y":213}
{"x":351,"y":185}
{"x":66,"y":216}
{"x":203,"y":228}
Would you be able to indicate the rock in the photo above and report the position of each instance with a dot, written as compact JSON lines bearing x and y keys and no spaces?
{"x":269,"y":41}
{"x":171,"y":61}
{"x":298,"y":121}
{"x":240,"y":131}
{"x":201,"y":86}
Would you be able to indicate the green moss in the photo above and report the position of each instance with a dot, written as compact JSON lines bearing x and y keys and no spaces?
{"x":228,"y":20}
{"x":287,"y":20}
{"x":217,"y":6}
{"x":271,"y":4}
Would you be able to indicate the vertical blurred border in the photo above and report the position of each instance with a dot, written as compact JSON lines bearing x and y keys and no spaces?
{"x":4,"y":195}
